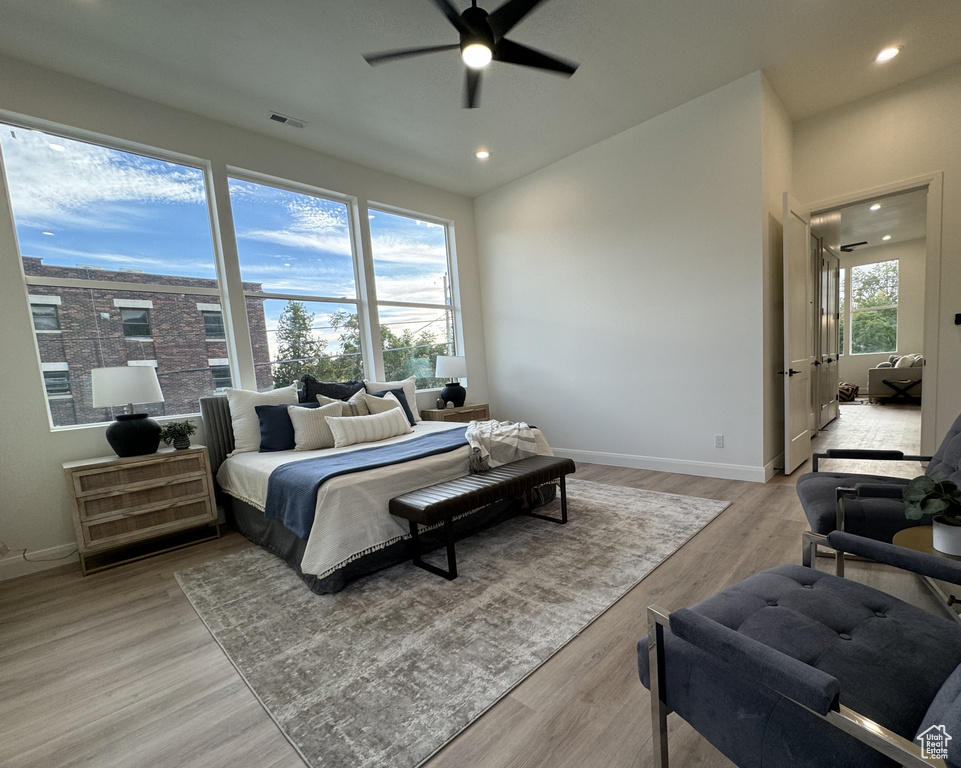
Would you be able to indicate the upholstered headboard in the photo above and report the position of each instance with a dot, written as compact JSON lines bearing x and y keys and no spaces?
{"x":217,"y":429}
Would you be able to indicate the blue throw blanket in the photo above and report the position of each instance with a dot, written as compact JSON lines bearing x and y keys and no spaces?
{"x":292,"y":488}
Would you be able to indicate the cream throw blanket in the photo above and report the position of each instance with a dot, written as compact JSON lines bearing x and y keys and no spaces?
{"x":493,"y":443}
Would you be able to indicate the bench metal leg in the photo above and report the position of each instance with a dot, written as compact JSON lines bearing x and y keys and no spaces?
{"x":563,"y":518}
{"x":451,"y":573}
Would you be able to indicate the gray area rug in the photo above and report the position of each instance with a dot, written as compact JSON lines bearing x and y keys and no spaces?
{"x":387,"y":671}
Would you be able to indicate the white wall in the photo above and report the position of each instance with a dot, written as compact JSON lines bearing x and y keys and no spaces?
{"x":903,"y":133}
{"x":853,"y":369}
{"x":34,"y":507}
{"x":623,"y":292}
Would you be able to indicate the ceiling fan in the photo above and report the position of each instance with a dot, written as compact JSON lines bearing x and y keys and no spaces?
{"x":482,"y":41}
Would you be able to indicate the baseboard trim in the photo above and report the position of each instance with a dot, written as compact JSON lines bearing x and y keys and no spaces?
{"x":702,"y":468}
{"x":773,"y":467}
{"x":13,"y":565}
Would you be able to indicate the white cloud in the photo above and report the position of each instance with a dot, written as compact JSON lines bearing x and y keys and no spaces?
{"x":71,"y":186}
{"x":402,"y":250}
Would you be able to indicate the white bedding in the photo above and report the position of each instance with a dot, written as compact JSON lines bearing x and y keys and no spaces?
{"x":351,"y":517}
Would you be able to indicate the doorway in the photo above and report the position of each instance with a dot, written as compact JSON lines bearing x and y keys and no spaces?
{"x":879,"y":340}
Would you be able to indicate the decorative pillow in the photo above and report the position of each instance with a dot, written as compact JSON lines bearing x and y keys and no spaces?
{"x":276,"y":429}
{"x":345,"y":406}
{"x":409,"y":387}
{"x":368,"y":429}
{"x":310,"y":426}
{"x":381,"y":403}
{"x":905,"y":361}
{"x":401,"y":398}
{"x":338,"y":390}
{"x":244,"y":419}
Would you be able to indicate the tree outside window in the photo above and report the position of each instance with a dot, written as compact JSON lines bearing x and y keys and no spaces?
{"x":874,"y":308}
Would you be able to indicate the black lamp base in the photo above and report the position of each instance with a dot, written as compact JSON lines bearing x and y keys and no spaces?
{"x":134,"y":434}
{"x":454,"y":393}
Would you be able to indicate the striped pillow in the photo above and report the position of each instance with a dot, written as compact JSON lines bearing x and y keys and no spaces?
{"x":310,"y":426}
{"x":368,"y":429}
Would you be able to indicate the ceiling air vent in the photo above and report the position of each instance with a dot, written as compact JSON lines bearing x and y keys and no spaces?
{"x":293,"y":122}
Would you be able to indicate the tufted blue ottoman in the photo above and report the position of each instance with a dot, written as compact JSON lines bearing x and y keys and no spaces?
{"x":882,"y":657}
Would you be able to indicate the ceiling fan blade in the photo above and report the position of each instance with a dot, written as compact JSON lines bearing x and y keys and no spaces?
{"x":505,"y":18}
{"x":404,"y":53}
{"x":515,"y":53}
{"x":453,"y":16}
{"x":472,"y":88}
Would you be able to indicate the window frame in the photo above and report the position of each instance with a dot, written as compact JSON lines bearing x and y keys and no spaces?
{"x":850,"y":311}
{"x":457,"y":338}
{"x":204,"y":166}
{"x":209,"y":313}
{"x":34,"y":305}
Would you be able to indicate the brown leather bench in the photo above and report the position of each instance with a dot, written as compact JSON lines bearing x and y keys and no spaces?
{"x":442,"y":502}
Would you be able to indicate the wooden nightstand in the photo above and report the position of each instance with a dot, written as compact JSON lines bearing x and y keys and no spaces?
{"x":470,"y":412}
{"x":118,"y":502}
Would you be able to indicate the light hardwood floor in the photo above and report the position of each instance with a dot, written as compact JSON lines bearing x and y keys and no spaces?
{"x":116,"y":669}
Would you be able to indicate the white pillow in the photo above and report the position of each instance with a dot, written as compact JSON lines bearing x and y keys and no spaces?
{"x":344,"y":405}
{"x":368,"y":429}
{"x":377,"y":405}
{"x":244,"y":419}
{"x":408,"y":385}
{"x":358,"y":404}
{"x":905,"y":361}
{"x":310,"y":425}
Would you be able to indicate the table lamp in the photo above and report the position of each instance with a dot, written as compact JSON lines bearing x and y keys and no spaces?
{"x":452,"y":367}
{"x":131,"y":434}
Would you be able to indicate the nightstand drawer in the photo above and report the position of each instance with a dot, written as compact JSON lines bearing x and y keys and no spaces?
{"x":125,"y":475}
{"x":110,"y":532}
{"x":129,"y":501}
{"x":473,"y":412}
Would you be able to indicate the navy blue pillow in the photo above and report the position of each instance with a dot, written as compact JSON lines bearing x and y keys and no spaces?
{"x":276,"y":428}
{"x":399,"y":394}
{"x":336,"y":390}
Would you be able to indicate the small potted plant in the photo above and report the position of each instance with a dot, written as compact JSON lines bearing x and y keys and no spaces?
{"x":935,"y":495}
{"x":178,"y":433}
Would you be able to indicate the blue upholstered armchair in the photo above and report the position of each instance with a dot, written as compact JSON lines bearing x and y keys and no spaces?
{"x":796,"y":667}
{"x":869,"y":505}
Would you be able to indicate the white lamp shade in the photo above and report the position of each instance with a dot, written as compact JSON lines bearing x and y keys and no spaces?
{"x":125,"y":384}
{"x":451,"y":366}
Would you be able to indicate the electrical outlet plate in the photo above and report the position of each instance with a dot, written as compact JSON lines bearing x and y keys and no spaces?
{"x":718,"y":441}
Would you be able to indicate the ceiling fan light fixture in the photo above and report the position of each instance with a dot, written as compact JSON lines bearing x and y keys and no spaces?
{"x":476,"y":55}
{"x":888,"y":53}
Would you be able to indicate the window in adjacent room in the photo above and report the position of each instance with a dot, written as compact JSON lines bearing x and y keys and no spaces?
{"x":414,"y":294}
{"x":46,"y":317}
{"x":56,"y":382}
{"x":297,"y":261}
{"x":220,"y":376}
{"x":136,"y":322}
{"x":842,"y":276}
{"x":874,"y":308}
{"x":117,"y":251}
{"x":213,"y":324}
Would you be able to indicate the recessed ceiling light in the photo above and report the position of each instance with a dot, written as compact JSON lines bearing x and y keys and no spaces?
{"x":57,"y":147}
{"x":482,"y":154}
{"x":875,"y":206}
{"x":886,"y":237}
{"x":888,"y":53}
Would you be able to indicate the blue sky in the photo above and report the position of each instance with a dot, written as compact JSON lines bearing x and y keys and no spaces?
{"x":81,"y":204}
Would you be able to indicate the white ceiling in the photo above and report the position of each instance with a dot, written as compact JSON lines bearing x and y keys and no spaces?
{"x":236,"y":60}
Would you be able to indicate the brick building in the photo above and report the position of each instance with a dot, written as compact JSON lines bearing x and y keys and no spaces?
{"x":181,"y":335}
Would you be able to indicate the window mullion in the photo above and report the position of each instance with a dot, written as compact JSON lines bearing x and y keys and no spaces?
{"x":367,"y":313}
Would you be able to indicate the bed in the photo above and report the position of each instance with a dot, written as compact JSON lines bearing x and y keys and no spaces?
{"x":352,"y":533}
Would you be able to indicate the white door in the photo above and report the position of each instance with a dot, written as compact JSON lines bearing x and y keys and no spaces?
{"x":798,"y":336}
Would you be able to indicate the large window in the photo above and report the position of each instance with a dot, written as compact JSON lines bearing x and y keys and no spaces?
{"x":117,"y":251}
{"x":414,"y":295}
{"x":874,"y":308}
{"x":297,"y":262}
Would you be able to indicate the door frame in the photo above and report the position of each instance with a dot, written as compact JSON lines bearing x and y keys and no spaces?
{"x":932,"y":281}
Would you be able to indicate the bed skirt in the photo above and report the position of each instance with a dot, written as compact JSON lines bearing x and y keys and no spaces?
{"x":276,"y":539}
